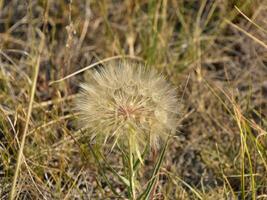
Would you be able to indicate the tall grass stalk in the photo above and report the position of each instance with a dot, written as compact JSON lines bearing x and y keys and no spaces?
{"x":21,"y":146}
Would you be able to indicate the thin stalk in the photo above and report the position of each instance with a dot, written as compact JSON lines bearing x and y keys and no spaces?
{"x":20,"y":154}
{"x":131,"y":170}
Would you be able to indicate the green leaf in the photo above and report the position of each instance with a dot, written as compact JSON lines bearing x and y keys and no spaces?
{"x":111,"y":169}
{"x":101,"y":169}
{"x":122,"y":178}
{"x":137,"y":162}
{"x":146,"y":194}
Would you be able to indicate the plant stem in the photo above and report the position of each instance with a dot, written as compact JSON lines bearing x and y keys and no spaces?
{"x":154,"y":188}
{"x":131,"y":170}
{"x":20,"y":156}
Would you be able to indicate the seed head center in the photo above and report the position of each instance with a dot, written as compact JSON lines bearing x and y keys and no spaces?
{"x":126,"y":111}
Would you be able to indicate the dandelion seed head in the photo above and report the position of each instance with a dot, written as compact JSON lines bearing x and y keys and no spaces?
{"x":123,"y":100}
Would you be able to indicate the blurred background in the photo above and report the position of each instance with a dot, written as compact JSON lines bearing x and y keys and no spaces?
{"x":213,"y":51}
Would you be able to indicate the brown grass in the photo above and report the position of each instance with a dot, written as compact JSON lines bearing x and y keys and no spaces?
{"x":213,"y":51}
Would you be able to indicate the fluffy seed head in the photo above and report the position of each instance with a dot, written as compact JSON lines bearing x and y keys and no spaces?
{"x":127,"y":100}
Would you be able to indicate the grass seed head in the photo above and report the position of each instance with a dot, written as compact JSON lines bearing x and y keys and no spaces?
{"x":126,"y":100}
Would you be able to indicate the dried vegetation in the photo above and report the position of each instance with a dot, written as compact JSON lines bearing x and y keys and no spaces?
{"x":215,"y":52}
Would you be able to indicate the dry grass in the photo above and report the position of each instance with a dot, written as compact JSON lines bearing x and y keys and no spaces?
{"x":214,"y":52}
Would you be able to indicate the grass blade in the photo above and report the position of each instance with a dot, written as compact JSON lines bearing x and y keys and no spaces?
{"x":147,"y":192}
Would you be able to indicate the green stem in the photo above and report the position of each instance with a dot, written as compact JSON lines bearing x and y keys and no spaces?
{"x":131,"y":170}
